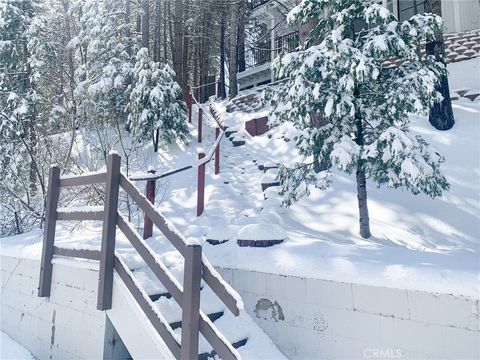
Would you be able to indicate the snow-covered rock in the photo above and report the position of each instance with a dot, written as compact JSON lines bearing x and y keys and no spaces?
{"x":261,"y":235}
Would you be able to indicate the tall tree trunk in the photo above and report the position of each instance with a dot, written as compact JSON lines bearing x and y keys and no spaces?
{"x":233,"y":66}
{"x":441,"y":114}
{"x":165,"y":28}
{"x":364,"y":218}
{"x":128,"y":33}
{"x":178,"y":41}
{"x":241,"y":36}
{"x":158,"y":31}
{"x":222,"y":55}
{"x":146,"y":24}
{"x":185,"y":53}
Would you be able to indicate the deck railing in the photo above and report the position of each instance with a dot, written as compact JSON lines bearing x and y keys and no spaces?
{"x":262,"y":53}
{"x":196,"y":266}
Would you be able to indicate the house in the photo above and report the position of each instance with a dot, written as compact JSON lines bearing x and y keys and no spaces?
{"x":461,"y":19}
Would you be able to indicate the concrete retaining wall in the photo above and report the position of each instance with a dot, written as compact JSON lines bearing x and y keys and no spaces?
{"x":65,"y":326}
{"x":311,"y":318}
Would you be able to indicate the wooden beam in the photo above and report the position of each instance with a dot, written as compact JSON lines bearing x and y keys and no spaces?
{"x":107,"y":252}
{"x":77,"y":253}
{"x":88,"y":179}
{"x":163,"y":328}
{"x":158,"y":268}
{"x":80,"y":215}
{"x":46,"y":267}
{"x":192,"y":277}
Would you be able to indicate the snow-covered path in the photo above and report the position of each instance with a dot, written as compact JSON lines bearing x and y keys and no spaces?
{"x":11,"y":350}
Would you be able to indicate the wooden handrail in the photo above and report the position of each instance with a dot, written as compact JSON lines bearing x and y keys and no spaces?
{"x":142,"y":299}
{"x":88,"y":179}
{"x":78,"y":253}
{"x":80,"y":215}
{"x":174,"y":237}
{"x":194,"y":321}
{"x":157,"y":267}
{"x":207,"y":328}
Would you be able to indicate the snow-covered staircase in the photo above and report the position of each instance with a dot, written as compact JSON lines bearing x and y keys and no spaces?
{"x":173,"y":306}
{"x":240,"y":331}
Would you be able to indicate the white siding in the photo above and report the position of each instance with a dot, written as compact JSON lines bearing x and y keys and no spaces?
{"x":461,"y":15}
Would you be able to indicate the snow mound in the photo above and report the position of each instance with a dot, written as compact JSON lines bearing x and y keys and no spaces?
{"x":262,"y":232}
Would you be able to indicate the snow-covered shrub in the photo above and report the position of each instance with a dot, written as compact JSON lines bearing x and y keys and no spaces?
{"x":352,"y":112}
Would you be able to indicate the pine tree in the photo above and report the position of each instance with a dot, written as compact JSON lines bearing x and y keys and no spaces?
{"x":102,"y":46}
{"x":366,"y":103}
{"x":154,"y":110}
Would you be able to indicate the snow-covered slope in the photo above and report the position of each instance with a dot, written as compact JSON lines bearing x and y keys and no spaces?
{"x":418,"y":243}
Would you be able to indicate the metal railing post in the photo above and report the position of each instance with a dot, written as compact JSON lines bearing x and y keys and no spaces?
{"x":189,"y":103}
{"x":217,"y":152}
{"x":191,"y":302}
{"x":200,"y":121}
{"x":46,"y":266}
{"x":201,"y":186}
{"x":107,"y":251}
{"x":150,"y":194}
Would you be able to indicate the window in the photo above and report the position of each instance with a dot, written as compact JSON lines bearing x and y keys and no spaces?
{"x":408,"y":8}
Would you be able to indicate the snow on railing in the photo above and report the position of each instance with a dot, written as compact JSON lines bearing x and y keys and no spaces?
{"x":196,"y":265}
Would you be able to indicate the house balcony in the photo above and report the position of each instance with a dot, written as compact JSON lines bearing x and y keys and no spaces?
{"x":258,"y":59}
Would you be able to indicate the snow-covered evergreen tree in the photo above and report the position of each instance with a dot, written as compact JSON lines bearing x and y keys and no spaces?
{"x":155,"y":110}
{"x":365,"y":105}
{"x":105,"y":65}
{"x":24,"y":55}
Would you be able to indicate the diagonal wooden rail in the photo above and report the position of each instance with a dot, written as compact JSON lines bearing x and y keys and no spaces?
{"x":196,"y":266}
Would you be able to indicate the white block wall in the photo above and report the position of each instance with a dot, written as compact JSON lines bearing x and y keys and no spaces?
{"x":311,"y":318}
{"x":65,"y":326}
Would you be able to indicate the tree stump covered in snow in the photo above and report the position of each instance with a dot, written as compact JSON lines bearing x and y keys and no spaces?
{"x":261,"y":235}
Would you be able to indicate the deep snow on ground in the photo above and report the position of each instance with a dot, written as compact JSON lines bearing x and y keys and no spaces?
{"x":417,"y":243}
{"x":11,"y":350}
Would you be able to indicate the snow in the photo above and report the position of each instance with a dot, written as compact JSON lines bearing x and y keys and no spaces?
{"x":11,"y":350}
{"x":417,"y":243}
{"x":262,"y":232}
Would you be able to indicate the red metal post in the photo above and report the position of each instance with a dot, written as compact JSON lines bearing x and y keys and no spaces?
{"x":150,"y":194}
{"x":200,"y":121}
{"x":217,"y":152}
{"x":189,"y":104}
{"x":197,"y":94}
{"x":201,"y":186}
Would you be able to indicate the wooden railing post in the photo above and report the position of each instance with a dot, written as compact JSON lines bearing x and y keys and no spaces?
{"x":217,"y":152}
{"x":201,"y":186}
{"x":200,"y":121}
{"x":218,"y":89}
{"x":46,"y":266}
{"x":189,"y":103}
{"x":107,"y":251}
{"x":191,"y":302}
{"x":150,"y":194}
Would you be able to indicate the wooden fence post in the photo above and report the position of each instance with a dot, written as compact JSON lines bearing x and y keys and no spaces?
{"x":150,"y":194}
{"x":189,"y":103}
{"x":107,"y":251}
{"x":218,"y":92}
{"x":200,"y":121}
{"x":191,"y":302}
{"x":217,"y":152}
{"x":46,"y":266}
{"x":201,"y":186}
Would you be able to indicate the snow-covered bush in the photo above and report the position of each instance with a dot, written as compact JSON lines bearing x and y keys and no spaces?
{"x":351,"y":111}
{"x":155,"y":110}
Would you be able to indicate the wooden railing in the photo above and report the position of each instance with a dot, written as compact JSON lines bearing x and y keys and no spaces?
{"x":196,"y":266}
